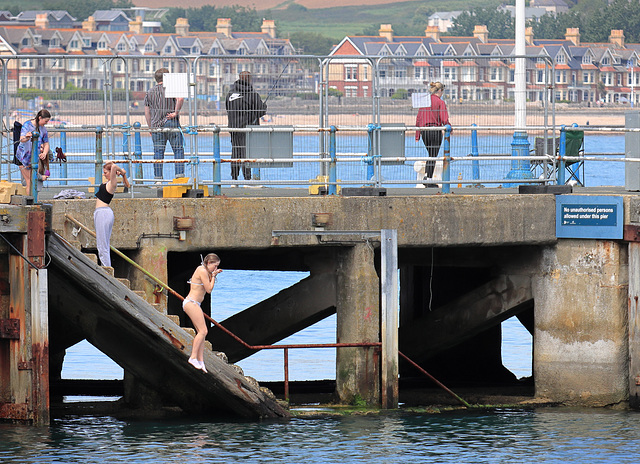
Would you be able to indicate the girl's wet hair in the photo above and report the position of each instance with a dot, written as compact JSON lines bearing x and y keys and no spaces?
{"x":211,"y":258}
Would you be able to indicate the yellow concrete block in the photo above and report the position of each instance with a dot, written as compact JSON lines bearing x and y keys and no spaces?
{"x":315,"y":189}
{"x":10,"y":188}
{"x":177,"y":191}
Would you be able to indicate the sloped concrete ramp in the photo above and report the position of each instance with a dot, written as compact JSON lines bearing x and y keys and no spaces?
{"x":145,"y":342}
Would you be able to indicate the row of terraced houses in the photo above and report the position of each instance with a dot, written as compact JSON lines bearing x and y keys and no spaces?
{"x":473,"y":68}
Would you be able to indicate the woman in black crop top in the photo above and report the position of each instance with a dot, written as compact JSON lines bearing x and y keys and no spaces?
{"x":103,"y":217}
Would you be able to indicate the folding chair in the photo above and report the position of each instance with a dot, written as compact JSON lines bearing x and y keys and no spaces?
{"x":543,"y":169}
{"x":574,"y":147}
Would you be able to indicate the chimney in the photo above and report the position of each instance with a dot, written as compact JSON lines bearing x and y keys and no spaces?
{"x":182,"y":26}
{"x":134,"y":26}
{"x":89,"y":25}
{"x":528,"y":35}
{"x":224,"y":27}
{"x":386,"y":31}
{"x":617,"y":37}
{"x":481,"y":33}
{"x":432,"y":32}
{"x":573,"y":35}
{"x":42,"y":21}
{"x":269,"y":27}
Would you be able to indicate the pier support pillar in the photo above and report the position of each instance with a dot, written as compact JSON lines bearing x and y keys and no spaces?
{"x":358,"y":321}
{"x":580,"y":341}
{"x":153,"y":258}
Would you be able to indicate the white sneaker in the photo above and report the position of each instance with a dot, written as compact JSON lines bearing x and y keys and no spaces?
{"x":233,"y":186}
{"x":195,"y":363}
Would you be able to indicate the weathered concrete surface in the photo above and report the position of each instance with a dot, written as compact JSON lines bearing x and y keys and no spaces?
{"x":451,"y":220}
{"x":358,"y":310}
{"x":466,"y":316}
{"x":580,"y":341}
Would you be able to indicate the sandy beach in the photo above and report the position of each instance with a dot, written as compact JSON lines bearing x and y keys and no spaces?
{"x":459,"y":115}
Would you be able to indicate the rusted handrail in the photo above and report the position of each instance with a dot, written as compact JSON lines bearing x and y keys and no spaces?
{"x":267,"y":347}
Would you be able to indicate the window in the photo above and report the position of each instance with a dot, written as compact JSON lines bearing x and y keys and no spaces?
{"x":468,"y":74}
{"x":350,"y":73}
{"x":561,"y":77}
{"x":148,"y":47}
{"x":587,"y":77}
{"x":619,"y":78}
{"x":350,"y":91}
{"x":86,"y":42}
{"x":37,"y":40}
{"x":102,"y":45}
{"x":496,"y":74}
{"x":587,"y":59}
{"x":450,"y":73}
{"x":606,"y":61}
{"x":606,"y":78}
{"x":121,"y":47}
{"x":74,"y":44}
{"x":365,"y":91}
{"x":561,"y":58}
{"x":25,"y":42}
{"x":400,"y":73}
{"x":168,"y":49}
{"x":540,"y":77}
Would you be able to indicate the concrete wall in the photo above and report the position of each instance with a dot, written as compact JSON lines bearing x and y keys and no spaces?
{"x":580,"y":341}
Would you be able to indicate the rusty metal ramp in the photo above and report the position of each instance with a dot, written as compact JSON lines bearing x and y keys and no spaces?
{"x":147,"y":343}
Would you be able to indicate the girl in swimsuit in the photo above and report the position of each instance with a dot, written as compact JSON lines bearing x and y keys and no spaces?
{"x":202,"y":280}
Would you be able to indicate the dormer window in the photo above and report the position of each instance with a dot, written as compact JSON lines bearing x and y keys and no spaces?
{"x":25,"y":42}
{"x":587,"y":59}
{"x":54,"y":42}
{"x":37,"y":40}
{"x":121,"y":47}
{"x":102,"y":45}
{"x":561,"y":58}
{"x":86,"y":42}
{"x":73,"y":44}
{"x":148,"y":47}
{"x":168,"y":49}
{"x":606,"y":61}
{"x":195,"y":50}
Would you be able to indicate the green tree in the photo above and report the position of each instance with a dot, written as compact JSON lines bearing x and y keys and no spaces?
{"x":205,"y":18}
{"x":499,"y":23}
{"x":311,"y":43}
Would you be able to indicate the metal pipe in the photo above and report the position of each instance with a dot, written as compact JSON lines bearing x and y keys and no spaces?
{"x":436,"y":381}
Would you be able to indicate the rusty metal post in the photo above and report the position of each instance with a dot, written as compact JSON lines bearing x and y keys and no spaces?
{"x":389,"y":318}
{"x":286,"y":374}
{"x":632,"y":235}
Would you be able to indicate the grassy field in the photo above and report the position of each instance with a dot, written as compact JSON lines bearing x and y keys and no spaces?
{"x":334,"y":22}
{"x":337,"y":22}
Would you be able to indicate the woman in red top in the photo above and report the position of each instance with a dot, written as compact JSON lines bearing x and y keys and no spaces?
{"x":434,"y":115}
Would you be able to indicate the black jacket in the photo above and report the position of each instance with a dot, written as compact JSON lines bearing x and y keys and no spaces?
{"x":244,"y":106}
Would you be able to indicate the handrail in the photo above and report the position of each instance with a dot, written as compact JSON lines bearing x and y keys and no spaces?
{"x":263,"y":347}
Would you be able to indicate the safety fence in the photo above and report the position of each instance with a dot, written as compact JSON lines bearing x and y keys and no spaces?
{"x":323,"y":159}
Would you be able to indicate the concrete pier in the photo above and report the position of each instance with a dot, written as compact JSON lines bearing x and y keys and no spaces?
{"x":467,"y":262}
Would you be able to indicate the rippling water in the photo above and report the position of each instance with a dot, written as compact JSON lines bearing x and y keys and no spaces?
{"x":543,"y":436}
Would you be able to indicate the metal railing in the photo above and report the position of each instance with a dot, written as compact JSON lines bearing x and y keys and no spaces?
{"x":356,"y":156}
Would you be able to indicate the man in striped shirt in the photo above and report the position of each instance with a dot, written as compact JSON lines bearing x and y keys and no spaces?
{"x":161,"y":112}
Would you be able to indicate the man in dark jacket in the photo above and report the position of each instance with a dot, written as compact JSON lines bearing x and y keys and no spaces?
{"x":244,"y":107}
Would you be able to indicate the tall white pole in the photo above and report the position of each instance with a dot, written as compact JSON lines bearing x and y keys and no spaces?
{"x":520,"y":74}
{"x":520,"y":169}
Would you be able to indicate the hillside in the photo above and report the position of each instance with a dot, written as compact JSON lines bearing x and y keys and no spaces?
{"x":264,"y":4}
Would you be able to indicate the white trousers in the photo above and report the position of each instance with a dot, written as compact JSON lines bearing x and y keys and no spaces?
{"x":103,"y":218}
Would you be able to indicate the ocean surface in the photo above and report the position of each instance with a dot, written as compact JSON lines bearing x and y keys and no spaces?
{"x":546,"y":435}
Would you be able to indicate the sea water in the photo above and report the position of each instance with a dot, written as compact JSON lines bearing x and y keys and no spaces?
{"x":545,"y":435}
